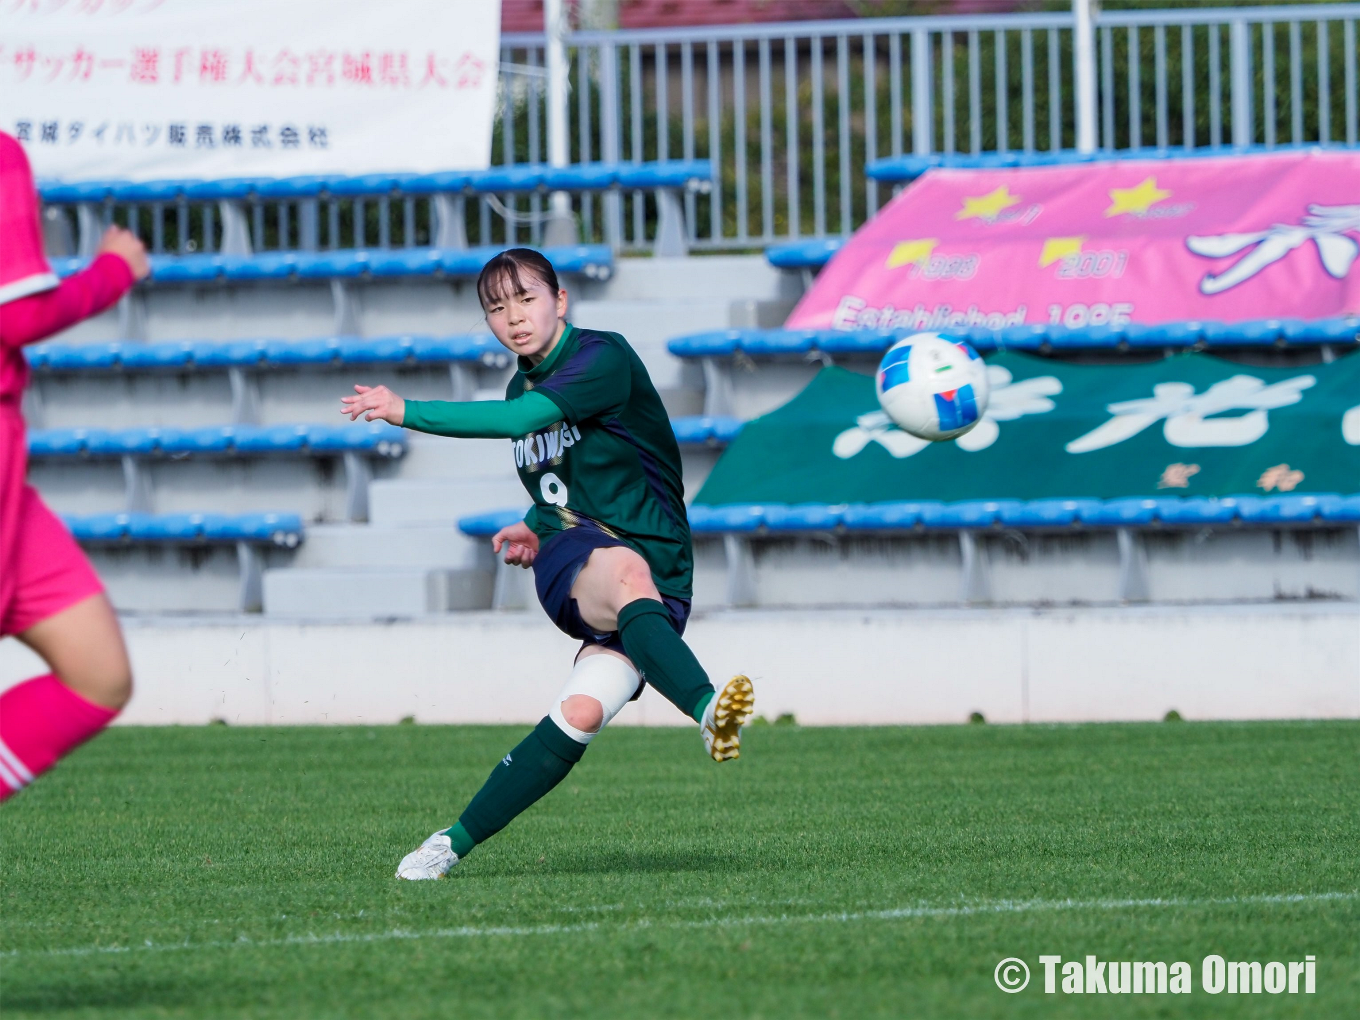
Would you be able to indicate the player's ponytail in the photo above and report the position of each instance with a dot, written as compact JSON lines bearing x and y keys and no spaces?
{"x":505,"y":275}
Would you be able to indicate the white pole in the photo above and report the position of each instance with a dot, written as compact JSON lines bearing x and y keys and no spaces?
{"x":561,"y":227}
{"x":1084,"y":45}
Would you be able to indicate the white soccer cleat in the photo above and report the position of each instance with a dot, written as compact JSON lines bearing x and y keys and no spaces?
{"x":724,"y":717}
{"x":432,"y":859}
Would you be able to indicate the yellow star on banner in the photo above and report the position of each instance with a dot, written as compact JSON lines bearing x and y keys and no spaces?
{"x":905,"y":253}
{"x":988,"y":206}
{"x":1058,"y":248}
{"x":1136,"y":200}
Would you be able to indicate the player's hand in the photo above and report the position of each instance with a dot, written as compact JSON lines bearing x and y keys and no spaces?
{"x":374,"y":402}
{"x":128,"y":247}
{"x":519,"y":542}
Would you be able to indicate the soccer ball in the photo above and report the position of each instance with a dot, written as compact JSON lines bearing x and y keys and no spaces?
{"x":934,"y":388}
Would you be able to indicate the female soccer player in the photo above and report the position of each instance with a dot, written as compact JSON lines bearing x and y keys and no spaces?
{"x":607,"y":537}
{"x":50,"y":597}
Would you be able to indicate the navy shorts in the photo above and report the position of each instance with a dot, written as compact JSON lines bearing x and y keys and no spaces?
{"x":556,"y":568}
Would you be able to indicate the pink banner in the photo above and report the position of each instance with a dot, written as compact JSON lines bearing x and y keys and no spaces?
{"x":1147,"y":241}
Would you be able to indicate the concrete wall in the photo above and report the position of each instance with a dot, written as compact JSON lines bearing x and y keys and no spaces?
{"x":827,"y":667}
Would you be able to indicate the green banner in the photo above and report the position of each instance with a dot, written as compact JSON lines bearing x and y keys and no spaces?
{"x":1192,"y":425}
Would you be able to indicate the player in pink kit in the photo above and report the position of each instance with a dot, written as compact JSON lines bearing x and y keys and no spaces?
{"x":50,"y":597}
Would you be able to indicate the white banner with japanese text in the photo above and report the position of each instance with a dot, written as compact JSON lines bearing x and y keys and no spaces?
{"x":157,"y":89}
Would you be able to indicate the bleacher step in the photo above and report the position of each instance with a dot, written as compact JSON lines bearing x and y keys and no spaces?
{"x":374,"y":593}
{"x":368,"y":546}
{"x":402,"y":502}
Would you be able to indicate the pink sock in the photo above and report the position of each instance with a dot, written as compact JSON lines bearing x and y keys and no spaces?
{"x":40,"y":721}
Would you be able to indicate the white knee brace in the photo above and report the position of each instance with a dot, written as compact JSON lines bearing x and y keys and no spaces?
{"x":607,"y":679}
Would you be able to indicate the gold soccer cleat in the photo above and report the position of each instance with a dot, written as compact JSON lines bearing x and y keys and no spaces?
{"x":724,"y":717}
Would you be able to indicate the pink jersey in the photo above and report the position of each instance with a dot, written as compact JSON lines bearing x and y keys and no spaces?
{"x":33,"y":305}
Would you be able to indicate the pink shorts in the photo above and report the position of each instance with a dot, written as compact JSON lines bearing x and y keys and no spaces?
{"x":51,"y":572}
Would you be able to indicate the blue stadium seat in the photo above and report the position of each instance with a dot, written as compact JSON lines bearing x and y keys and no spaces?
{"x":692,"y":431}
{"x":270,"y":438}
{"x":668,"y":174}
{"x":1197,"y":510}
{"x":857,"y":342}
{"x":228,"y":188}
{"x":186,"y":268}
{"x":81,"y":357}
{"x":1046,"y":513}
{"x":433,"y":184}
{"x":802,"y":517}
{"x":486,"y":525}
{"x":706,"y":345}
{"x":332,"y":264}
{"x":810,"y":254}
{"x":212,"y":439}
{"x":275,"y":265}
{"x":726,"y":429}
{"x":135,"y":442}
{"x":171,"y":355}
{"x":518,"y":177}
{"x":580,"y":177}
{"x":1289,"y":509}
{"x":969,"y":513}
{"x":65,"y":267}
{"x":406,"y":262}
{"x":373,"y":437}
{"x":1117,"y":512}
{"x":1025,"y":337}
{"x":152,"y":191}
{"x":762,"y":342}
{"x":315,"y":351}
{"x":1341,"y":509}
{"x":481,"y":348}
{"x":883,"y":516}
{"x":56,"y":442}
{"x":282,"y":529}
{"x":98,"y":527}
{"x":1321,"y":331}
{"x":288,"y":188}
{"x":376,"y":185}
{"x":741,"y":517}
{"x":353,"y":350}
{"x":164,"y":527}
{"x":229,"y":353}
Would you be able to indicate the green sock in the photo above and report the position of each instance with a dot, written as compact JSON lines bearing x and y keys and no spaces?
{"x":462,"y":842}
{"x":663,"y":658}
{"x":538,"y":763}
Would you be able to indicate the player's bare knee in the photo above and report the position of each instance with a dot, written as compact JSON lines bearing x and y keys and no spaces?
{"x":635,"y":579}
{"x":583,"y":712}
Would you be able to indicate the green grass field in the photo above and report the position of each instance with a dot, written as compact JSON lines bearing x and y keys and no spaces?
{"x":831,"y":872}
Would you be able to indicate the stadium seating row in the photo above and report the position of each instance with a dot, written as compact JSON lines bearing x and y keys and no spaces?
{"x":495,"y":180}
{"x":189,"y":355}
{"x":280,"y":529}
{"x":752,"y":519}
{"x":1029,"y":337}
{"x":374,"y":438}
{"x":595,"y":261}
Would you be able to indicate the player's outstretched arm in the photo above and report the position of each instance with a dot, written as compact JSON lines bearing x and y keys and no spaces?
{"x":467,"y":419}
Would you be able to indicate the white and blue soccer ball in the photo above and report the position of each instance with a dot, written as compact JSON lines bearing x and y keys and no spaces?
{"x":934,"y":388}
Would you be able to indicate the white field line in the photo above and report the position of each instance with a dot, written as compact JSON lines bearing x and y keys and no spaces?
{"x":513,"y":931}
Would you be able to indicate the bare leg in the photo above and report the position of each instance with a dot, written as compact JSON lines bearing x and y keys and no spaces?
{"x":611,"y":579}
{"x":581,"y":710}
{"x":83,"y":646}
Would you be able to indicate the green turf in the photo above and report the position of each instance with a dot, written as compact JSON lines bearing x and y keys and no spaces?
{"x":655,"y":883}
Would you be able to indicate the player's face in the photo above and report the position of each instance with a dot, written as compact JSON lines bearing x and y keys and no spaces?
{"x":528,"y":323}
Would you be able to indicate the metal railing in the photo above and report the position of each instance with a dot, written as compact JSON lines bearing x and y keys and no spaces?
{"x":790,"y":113}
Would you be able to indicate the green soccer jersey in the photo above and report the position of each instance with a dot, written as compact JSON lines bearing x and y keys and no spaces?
{"x":612,"y":461}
